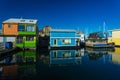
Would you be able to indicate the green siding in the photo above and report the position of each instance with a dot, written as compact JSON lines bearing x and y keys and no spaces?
{"x":19,"y":45}
{"x":26,"y":33}
{"x":27,"y":44}
{"x":30,"y":44}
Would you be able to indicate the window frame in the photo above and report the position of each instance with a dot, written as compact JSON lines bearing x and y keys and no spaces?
{"x":30,"y":28}
{"x":19,"y":39}
{"x":29,"y":38}
{"x":9,"y":25}
{"x":21,"y":29}
{"x":66,"y":41}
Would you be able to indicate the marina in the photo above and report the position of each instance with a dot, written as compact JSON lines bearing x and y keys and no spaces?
{"x":59,"y":39}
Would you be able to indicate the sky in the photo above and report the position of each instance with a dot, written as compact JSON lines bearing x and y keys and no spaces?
{"x":86,"y":15}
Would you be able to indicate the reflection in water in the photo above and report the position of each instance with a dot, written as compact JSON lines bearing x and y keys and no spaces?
{"x":20,"y":57}
{"x":63,"y":64}
{"x":10,"y":70}
{"x":116,"y":56}
{"x":27,"y":56}
{"x":20,"y":65}
{"x":7,"y":59}
{"x":27,"y":70}
{"x":43,"y":56}
{"x":95,"y":54}
{"x":61,"y":57}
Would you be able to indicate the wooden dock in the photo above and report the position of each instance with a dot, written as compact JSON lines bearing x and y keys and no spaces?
{"x":6,"y":52}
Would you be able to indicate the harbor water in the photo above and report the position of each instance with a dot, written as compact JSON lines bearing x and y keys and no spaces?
{"x":82,"y":64}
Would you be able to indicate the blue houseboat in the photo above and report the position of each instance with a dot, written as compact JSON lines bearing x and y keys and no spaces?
{"x":64,"y":39}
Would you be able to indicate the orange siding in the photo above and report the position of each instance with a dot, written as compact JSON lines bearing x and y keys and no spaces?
{"x":13,"y":30}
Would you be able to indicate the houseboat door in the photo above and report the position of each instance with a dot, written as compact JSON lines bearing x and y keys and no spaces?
{"x":55,"y":42}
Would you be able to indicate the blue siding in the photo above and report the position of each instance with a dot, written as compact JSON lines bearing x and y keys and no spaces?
{"x":60,"y":42}
{"x":62,"y":34}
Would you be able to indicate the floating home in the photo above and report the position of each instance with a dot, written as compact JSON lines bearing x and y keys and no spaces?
{"x":114,"y":37}
{"x":97,"y":40}
{"x":25,"y":31}
{"x":65,"y":38}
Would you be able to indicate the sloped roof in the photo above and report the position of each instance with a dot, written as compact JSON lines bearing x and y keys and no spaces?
{"x":96,"y":35}
{"x":14,"y":20}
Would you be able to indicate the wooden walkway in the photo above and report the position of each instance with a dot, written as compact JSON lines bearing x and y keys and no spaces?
{"x":6,"y":52}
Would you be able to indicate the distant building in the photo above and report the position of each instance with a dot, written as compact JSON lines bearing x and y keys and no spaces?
{"x":25,"y":31}
{"x":46,"y":30}
{"x":41,"y":33}
{"x":114,"y":37}
{"x":64,"y":38}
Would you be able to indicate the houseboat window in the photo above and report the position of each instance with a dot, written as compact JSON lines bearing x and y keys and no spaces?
{"x":66,"y":41}
{"x":19,"y":39}
{"x":21,"y":28}
{"x":55,"y":41}
{"x":30,"y":28}
{"x":9,"y":25}
{"x":29,"y":38}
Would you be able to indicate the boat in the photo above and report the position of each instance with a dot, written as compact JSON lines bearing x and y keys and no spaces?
{"x":98,"y":40}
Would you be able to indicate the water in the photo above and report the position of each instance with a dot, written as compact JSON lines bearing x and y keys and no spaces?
{"x":83,"y":64}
